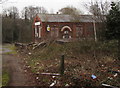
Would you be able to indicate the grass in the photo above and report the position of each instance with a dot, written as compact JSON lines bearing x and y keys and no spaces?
{"x":5,"y":78}
{"x":5,"y":75}
{"x":75,"y":49}
{"x":11,"y":47}
{"x":49,"y":52}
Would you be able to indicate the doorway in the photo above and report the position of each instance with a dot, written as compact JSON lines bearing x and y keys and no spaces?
{"x":66,"y":32}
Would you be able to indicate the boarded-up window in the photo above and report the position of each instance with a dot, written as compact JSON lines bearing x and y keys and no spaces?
{"x":54,"y":32}
{"x":79,"y":31}
{"x":90,"y":30}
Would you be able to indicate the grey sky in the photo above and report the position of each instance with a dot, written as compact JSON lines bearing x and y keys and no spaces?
{"x":50,"y":5}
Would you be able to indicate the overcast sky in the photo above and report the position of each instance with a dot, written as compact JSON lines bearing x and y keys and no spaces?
{"x":50,"y":5}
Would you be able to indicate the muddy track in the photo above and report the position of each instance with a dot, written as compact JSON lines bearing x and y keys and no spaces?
{"x":18,"y":76}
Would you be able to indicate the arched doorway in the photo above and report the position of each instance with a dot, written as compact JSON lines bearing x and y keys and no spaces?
{"x":66,"y":32}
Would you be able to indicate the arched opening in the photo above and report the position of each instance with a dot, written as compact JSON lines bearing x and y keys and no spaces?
{"x":66,"y":27}
{"x":66,"y":32}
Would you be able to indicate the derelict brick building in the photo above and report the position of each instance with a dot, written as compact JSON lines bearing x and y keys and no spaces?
{"x":59,"y":26}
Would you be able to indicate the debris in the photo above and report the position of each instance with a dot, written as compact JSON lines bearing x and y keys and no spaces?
{"x":53,"y":76}
{"x":110,"y":78}
{"x":114,"y":71}
{"x":93,"y":76}
{"x":29,"y":53}
{"x":50,"y":74}
{"x":38,"y":73}
{"x":106,"y":85}
{"x":102,"y":65}
{"x":67,"y":85}
{"x":53,"y":83}
{"x":28,"y":66}
{"x":37,"y":78}
{"x":115,"y":75}
{"x":18,"y":44}
{"x":37,"y":63}
{"x":39,"y":44}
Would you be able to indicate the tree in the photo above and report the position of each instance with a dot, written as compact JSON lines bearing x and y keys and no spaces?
{"x":99,"y":10}
{"x":11,"y":12}
{"x":30,"y":12}
{"x":95,"y":10}
{"x":69,"y":10}
{"x":25,"y":13}
{"x":10,"y":29}
{"x":113,"y":24}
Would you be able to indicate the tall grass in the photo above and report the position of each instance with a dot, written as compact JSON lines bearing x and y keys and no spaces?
{"x":54,"y":50}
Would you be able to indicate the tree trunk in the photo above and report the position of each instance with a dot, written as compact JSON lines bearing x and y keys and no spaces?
{"x":118,"y":49}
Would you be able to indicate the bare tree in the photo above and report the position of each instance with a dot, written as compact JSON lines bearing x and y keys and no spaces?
{"x":4,"y":13}
{"x":25,"y":13}
{"x":30,"y":12}
{"x":12,"y":12}
{"x":99,"y":10}
{"x":41,"y":10}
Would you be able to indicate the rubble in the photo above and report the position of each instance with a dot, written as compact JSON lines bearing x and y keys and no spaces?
{"x":93,"y":76}
{"x":55,"y":74}
{"x":115,"y":75}
{"x":29,"y":53}
{"x":37,"y":78}
{"x":94,"y":73}
{"x":53,"y":77}
{"x":67,"y":85}
{"x":39,"y":44}
{"x":106,"y":85}
{"x":53,"y":83}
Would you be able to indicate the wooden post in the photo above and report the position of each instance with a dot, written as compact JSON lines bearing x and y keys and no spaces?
{"x":62,"y":65}
{"x":95,"y":31}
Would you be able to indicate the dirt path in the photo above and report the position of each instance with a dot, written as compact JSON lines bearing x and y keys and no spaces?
{"x":18,"y":77}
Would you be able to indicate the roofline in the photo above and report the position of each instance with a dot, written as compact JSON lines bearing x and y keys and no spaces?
{"x":68,"y":14}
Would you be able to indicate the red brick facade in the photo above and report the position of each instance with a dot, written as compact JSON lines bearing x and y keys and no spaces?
{"x":62,"y":30}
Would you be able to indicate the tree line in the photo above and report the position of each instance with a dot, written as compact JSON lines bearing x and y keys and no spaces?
{"x":18,"y":28}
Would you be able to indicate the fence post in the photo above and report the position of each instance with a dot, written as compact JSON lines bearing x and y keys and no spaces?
{"x":62,"y":65}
